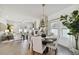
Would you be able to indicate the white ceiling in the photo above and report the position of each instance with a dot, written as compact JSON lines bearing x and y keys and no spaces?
{"x":30,"y":11}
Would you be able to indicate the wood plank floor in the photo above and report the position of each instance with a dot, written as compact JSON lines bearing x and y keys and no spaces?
{"x":20,"y":47}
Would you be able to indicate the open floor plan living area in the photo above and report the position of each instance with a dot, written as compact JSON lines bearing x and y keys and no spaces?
{"x":39,"y":29}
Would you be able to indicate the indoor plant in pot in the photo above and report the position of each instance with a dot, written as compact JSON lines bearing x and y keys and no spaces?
{"x":72,"y":23}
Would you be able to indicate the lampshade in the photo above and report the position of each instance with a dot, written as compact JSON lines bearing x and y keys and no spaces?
{"x":6,"y":31}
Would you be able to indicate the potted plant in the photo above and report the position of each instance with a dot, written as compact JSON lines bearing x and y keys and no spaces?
{"x":72,"y":23}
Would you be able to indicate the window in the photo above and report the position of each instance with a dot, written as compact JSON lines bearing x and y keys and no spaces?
{"x":65,"y":33}
{"x":55,"y":31}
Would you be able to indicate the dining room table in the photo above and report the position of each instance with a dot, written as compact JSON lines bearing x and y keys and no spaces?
{"x":48,"y":39}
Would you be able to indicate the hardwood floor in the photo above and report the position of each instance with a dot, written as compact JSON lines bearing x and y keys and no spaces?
{"x":14,"y":48}
{"x":20,"y":47}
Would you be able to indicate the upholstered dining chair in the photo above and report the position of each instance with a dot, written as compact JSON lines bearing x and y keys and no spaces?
{"x":37,"y":44}
{"x":53,"y":46}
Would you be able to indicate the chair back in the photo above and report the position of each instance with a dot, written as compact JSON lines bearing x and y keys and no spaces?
{"x":37,"y":44}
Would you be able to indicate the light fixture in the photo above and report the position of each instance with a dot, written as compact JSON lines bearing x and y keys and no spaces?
{"x":6,"y":31}
{"x":44,"y":20}
{"x":43,"y":5}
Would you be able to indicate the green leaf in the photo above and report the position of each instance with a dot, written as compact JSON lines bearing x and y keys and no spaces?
{"x":69,"y":33}
{"x":71,"y":22}
{"x":75,"y":13}
{"x":61,"y":17}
